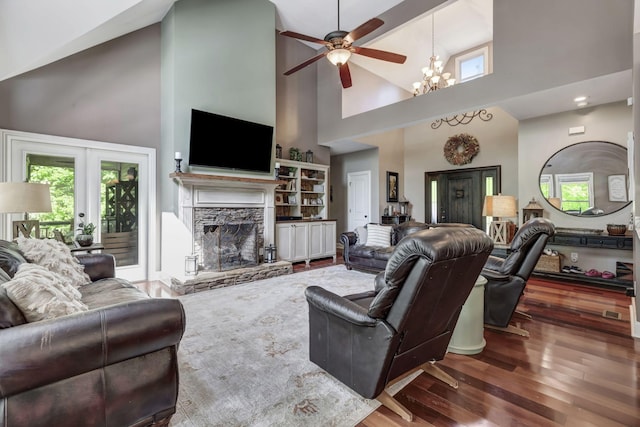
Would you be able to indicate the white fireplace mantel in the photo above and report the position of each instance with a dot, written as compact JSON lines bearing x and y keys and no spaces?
{"x":222,"y":191}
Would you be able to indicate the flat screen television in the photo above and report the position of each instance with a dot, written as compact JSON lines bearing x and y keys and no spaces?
{"x":219,"y":141}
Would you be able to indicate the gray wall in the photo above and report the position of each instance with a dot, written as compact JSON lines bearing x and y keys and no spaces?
{"x":108,"y":93}
{"x":341,"y":166}
{"x":211,"y":63}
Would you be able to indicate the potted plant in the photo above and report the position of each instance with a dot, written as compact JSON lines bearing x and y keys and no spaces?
{"x":85,"y":237}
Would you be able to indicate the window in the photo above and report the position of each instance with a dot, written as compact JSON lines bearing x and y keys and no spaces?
{"x":575,"y":191}
{"x":472,"y":65}
{"x":546,"y":185}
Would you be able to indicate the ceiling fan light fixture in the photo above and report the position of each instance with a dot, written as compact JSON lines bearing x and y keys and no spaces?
{"x":339,"y":56}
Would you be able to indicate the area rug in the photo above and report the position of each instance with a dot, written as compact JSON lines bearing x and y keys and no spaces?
{"x":244,"y":358}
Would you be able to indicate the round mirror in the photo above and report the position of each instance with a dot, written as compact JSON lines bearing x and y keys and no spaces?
{"x":586,"y":179}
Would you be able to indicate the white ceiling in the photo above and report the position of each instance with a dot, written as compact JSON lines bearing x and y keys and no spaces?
{"x":37,"y":32}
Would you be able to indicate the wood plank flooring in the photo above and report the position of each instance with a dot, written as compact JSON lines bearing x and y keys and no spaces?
{"x":577,"y":368}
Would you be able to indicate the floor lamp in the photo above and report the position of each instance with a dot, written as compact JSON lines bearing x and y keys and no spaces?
{"x":25,"y":197}
{"x":500,"y":207}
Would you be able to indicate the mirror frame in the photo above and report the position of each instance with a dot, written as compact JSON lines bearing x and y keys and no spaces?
{"x":590,"y":155}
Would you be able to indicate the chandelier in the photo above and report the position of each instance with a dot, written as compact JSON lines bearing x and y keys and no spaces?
{"x":432,"y":76}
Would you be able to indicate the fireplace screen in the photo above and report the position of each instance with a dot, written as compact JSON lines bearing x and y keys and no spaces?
{"x":230,"y":246}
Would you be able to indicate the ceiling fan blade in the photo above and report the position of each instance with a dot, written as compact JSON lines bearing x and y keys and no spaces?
{"x":380,"y":54}
{"x":345,"y":75}
{"x":305,"y":63}
{"x":364,"y":29}
{"x":302,"y":37}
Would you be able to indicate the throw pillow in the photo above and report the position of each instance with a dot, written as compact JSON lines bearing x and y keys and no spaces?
{"x":378,"y":235}
{"x":361,"y":233}
{"x":41,"y":294}
{"x":56,"y":257}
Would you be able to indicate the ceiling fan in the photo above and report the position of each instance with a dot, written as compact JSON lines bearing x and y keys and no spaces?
{"x":339,"y":46}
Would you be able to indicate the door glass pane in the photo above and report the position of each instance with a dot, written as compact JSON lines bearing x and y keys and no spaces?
{"x":59,"y":172}
{"x":489,"y":191}
{"x":119,"y":211}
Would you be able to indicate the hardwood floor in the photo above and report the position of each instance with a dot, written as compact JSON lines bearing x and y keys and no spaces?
{"x":578,"y":368}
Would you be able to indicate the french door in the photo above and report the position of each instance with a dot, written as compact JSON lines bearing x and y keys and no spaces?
{"x":108,"y":185}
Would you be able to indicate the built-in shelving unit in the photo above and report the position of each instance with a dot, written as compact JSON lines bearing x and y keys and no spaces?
{"x":304,"y":193}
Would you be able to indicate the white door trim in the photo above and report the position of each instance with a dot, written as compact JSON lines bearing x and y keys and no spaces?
{"x":12,"y":162}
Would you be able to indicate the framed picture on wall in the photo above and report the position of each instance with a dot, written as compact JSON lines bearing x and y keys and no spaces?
{"x":392,"y":186}
{"x":617,"y":188}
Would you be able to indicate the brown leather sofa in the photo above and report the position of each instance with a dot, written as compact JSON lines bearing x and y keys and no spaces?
{"x":114,"y":365}
{"x":373,"y":259}
{"x":358,"y":255}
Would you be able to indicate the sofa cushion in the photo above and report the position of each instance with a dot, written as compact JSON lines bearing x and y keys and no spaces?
{"x":56,"y":257}
{"x":378,"y":235}
{"x":10,"y":314}
{"x":41,"y":294}
{"x":110,"y":291}
{"x":10,"y":257}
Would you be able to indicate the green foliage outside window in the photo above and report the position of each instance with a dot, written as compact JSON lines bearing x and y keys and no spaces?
{"x":575,"y":196}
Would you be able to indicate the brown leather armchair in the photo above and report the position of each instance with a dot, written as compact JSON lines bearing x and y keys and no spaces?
{"x":369,"y":341}
{"x":507,"y":277}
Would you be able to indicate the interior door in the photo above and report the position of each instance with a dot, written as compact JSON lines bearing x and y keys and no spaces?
{"x":458,"y":195}
{"x":89,"y":171}
{"x":359,"y":199}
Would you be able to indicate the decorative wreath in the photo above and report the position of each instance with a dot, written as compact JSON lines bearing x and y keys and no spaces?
{"x":460,"y":149}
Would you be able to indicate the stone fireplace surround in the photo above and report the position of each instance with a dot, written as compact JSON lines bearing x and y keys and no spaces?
{"x":201,"y":192}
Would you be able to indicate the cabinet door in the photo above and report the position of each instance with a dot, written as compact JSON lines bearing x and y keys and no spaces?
{"x":300,"y":242}
{"x":283,"y":241}
{"x":316,"y":239}
{"x":329,"y":238}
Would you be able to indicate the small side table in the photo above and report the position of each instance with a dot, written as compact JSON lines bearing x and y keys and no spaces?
{"x":88,"y":249}
{"x":468,"y":336}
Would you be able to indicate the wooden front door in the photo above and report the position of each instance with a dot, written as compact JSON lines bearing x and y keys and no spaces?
{"x":458,"y":195}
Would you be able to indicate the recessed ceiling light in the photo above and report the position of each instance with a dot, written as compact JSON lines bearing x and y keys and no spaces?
{"x":579,"y":99}
{"x":582,"y":104}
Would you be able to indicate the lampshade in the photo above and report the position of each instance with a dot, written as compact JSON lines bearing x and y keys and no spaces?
{"x":339,"y":56}
{"x":21,"y":197}
{"x":555,"y":202}
{"x":499,"y":206}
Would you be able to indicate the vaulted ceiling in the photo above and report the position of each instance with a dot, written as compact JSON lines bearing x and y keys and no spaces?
{"x":37,"y":32}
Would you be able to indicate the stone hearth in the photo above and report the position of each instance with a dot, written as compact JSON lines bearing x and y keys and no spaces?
{"x":207,"y":280}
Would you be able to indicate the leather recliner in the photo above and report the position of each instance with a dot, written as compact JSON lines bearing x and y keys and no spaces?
{"x":370,"y":340}
{"x":507,"y":277}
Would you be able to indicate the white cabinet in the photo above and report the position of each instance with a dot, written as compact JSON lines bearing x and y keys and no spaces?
{"x":322,"y":239}
{"x":292,"y":241}
{"x":306,"y":240}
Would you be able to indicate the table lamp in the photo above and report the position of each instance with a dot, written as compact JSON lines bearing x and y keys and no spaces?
{"x":500,"y":207}
{"x":25,"y":197}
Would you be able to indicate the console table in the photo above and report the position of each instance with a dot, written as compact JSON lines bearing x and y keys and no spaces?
{"x":598,"y":241}
{"x":395,"y":219}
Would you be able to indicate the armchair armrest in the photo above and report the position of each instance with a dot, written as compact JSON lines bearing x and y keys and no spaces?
{"x":495,"y":276}
{"x":348,"y":238}
{"x":494,"y":263}
{"x":98,"y":266}
{"x":39,"y":353}
{"x":338,"y":306}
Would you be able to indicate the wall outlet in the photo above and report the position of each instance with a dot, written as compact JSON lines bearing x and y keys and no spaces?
{"x":574,"y":257}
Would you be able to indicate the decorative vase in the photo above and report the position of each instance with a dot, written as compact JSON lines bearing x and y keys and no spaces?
{"x":84,"y":239}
